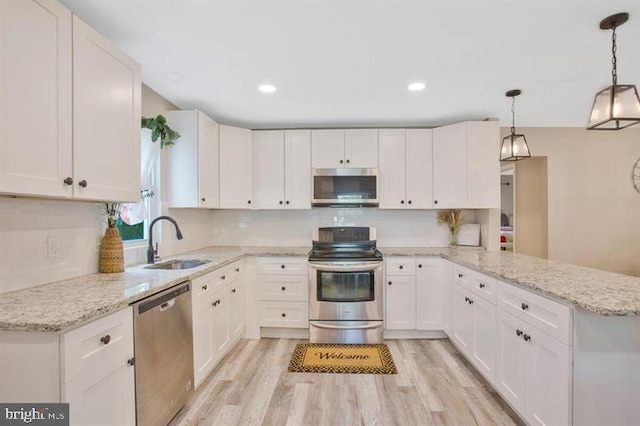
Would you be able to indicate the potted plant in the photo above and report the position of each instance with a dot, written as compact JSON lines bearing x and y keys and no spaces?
{"x":453,"y":219}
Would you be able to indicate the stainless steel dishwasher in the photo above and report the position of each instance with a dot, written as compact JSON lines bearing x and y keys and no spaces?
{"x":163,"y":354}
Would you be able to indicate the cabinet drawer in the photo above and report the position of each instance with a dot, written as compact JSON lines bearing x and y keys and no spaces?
{"x":546,"y":315}
{"x":202,"y":287}
{"x":283,"y":265}
{"x":484,"y":286}
{"x":405,"y":265}
{"x":87,"y":346}
{"x":233,"y":270}
{"x":462,"y":275}
{"x":284,"y":314}
{"x":283,"y":287}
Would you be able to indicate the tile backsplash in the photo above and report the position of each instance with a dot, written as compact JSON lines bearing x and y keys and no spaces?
{"x":27,"y":226}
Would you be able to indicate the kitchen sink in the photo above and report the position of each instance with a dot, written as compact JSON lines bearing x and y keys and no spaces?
{"x":178,"y":264}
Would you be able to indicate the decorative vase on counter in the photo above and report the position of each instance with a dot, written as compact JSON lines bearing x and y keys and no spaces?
{"x":453,"y":238}
{"x":111,"y":252}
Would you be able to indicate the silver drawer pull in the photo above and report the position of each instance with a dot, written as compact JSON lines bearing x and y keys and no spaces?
{"x":351,"y":327}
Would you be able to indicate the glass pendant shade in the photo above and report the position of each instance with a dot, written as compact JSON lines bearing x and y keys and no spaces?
{"x":615,"y":107}
{"x":514,"y":148}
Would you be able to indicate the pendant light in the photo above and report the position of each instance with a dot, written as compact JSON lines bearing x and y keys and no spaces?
{"x":514,"y":147}
{"x":617,"y":106}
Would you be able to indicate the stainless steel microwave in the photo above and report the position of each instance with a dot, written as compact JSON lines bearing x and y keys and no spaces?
{"x":345,"y":187}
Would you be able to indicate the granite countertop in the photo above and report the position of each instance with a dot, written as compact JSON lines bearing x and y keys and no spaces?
{"x":602,"y":292}
{"x":65,"y":304}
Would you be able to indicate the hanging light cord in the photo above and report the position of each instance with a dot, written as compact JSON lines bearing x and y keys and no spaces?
{"x":614,"y":60}
{"x":513,"y":115}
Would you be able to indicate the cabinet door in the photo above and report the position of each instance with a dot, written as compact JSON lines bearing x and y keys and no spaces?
{"x":429,"y":294}
{"x":35,"y":98}
{"x":361,"y":148}
{"x":450,"y":166}
{"x":447,"y":308}
{"x":106,"y":119}
{"x":208,"y":163}
{"x":237,"y":308}
{"x":203,"y":345}
{"x":297,"y":169}
{"x":484,"y":337}
{"x":548,"y":380}
{"x":484,"y":165}
{"x":327,"y":149}
{"x":511,"y":371}
{"x":462,"y":319}
{"x":104,"y":395}
{"x":221,"y":325}
{"x":391,"y":174}
{"x":401,"y":302}
{"x":269,"y":165}
{"x":419,"y":168}
{"x":235,"y":168}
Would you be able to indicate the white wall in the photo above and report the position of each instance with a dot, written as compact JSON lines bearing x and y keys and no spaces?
{"x":594,"y":211}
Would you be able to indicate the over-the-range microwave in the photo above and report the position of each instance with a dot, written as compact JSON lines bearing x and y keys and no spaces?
{"x":345,"y":187}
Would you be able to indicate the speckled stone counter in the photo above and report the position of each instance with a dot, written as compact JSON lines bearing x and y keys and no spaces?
{"x":65,"y":304}
{"x":605,"y":293}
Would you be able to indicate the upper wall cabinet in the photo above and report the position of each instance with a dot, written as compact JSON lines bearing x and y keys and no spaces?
{"x":235,"y":168}
{"x":282,"y":160}
{"x":405,"y":175}
{"x":357,"y":148}
{"x":106,"y":118}
{"x":192,"y":163}
{"x":62,"y":75}
{"x":466,"y":171}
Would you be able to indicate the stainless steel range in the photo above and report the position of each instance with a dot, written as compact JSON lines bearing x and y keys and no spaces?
{"x":345,"y":286}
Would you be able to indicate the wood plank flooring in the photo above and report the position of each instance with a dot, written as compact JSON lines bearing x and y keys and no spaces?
{"x":434,"y":386}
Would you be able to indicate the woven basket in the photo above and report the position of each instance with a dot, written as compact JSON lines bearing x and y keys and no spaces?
{"x":111,"y":252}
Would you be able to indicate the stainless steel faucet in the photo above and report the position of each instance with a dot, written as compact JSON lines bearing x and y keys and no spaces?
{"x":152,"y":255}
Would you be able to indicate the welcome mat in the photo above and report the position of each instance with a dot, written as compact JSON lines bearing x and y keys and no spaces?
{"x":342,"y":358}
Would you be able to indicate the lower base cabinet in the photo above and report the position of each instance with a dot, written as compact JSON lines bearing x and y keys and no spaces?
{"x":218,"y":317}
{"x":534,"y":372}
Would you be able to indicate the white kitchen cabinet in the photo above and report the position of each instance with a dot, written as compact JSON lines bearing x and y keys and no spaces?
{"x":344,"y":148}
{"x":282,"y":161}
{"x":534,"y":372}
{"x":429,"y":293}
{"x":450,"y":166}
{"x":405,"y":176}
{"x":466,"y":170}
{"x":236,"y":168}
{"x":400,"y":302}
{"x":97,"y":371}
{"x":218,"y":317}
{"x":60,"y":70}
{"x":283,"y":292}
{"x":474,"y":324}
{"x":483,"y":150}
{"x":192,"y":164}
{"x":447,"y":289}
{"x":35,"y":64}
{"x":106,"y":92}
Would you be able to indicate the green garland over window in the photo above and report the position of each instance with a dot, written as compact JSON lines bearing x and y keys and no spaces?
{"x":160,"y":129}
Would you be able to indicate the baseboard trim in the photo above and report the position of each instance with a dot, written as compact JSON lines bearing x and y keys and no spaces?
{"x":284,"y":333}
{"x":414,"y":334}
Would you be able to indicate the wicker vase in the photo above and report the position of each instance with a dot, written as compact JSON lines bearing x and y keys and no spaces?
{"x":111,"y":252}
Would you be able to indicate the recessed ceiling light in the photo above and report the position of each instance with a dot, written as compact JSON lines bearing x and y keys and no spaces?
{"x":267,"y":88}
{"x":417,"y":86}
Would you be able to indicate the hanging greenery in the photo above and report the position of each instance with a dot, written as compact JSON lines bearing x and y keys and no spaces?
{"x":160,"y":129}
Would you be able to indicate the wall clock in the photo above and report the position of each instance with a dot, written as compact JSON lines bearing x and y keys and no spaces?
{"x":636,"y":175}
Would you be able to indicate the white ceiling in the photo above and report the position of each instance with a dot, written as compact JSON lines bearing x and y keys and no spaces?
{"x":348,"y":63}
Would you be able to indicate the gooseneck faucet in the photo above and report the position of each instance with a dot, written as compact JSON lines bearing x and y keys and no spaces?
{"x":151,"y":253}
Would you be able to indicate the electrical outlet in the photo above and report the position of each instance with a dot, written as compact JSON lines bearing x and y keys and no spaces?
{"x":53,"y":248}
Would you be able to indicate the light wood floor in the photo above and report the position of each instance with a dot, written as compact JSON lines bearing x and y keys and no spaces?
{"x":434,"y":386}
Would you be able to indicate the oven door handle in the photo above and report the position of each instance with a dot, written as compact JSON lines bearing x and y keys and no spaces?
{"x":378,"y":324}
{"x":355,"y":267}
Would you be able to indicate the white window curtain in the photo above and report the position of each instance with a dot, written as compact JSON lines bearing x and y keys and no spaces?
{"x":134,"y":213}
